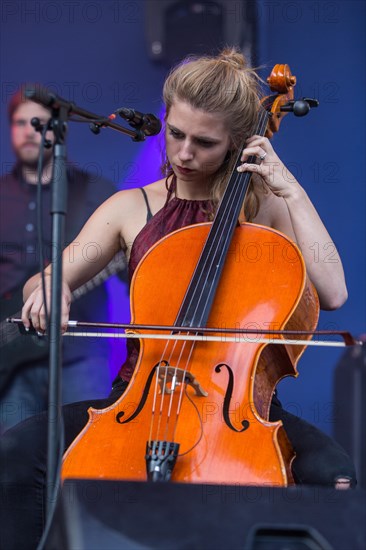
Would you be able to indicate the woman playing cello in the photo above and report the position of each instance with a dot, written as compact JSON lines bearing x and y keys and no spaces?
{"x":211,"y":107}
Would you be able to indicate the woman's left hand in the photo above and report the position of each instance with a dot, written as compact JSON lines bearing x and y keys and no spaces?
{"x":269,"y":166}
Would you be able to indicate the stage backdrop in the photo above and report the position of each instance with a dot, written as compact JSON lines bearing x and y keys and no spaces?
{"x":95,"y":53}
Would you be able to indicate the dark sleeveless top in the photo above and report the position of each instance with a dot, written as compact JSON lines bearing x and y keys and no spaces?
{"x":176,"y":213}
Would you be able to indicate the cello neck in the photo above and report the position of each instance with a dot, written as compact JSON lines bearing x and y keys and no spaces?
{"x":200,"y":294}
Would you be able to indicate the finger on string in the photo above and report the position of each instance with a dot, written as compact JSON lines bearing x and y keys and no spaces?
{"x":250,"y":168}
{"x":253,"y":151}
{"x":257,"y":139}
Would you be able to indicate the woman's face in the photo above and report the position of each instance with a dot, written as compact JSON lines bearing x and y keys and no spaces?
{"x":196,"y":142}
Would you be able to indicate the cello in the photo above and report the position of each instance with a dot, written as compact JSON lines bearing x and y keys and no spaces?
{"x":198,"y":412}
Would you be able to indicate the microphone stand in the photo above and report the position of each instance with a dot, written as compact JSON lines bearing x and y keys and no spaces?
{"x":62,"y":110}
{"x":58,"y":213}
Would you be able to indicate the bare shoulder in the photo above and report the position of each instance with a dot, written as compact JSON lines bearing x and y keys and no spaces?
{"x":120,"y":205}
{"x":131,"y":210}
{"x":156,"y":195}
{"x":110,"y":221}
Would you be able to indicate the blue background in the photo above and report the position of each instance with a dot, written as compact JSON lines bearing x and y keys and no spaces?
{"x":95,"y":53}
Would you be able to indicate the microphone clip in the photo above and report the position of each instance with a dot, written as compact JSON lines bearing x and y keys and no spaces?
{"x":39,"y":127}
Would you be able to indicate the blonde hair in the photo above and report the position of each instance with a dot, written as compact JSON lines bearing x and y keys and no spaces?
{"x":227,"y":85}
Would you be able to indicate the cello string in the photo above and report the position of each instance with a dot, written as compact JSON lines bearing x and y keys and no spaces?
{"x":181,"y":371}
{"x":158,"y":411}
{"x":171,"y":395}
{"x":233,"y":195}
{"x":228,"y":202}
{"x":209,"y":261}
{"x":182,"y":387}
{"x":164,"y":379}
{"x":222,"y":235}
{"x":193,"y":299}
{"x":155,"y":394}
{"x":163,"y":388}
{"x":156,"y":390}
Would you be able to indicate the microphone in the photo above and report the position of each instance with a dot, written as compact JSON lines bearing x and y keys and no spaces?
{"x":45,"y":97}
{"x":148,"y":123}
{"x":145,"y":124}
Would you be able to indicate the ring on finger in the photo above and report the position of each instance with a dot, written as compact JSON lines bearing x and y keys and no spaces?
{"x":262,"y":157}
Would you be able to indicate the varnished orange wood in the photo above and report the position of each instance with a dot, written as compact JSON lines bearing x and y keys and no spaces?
{"x":263,"y":285}
{"x":282,"y":81}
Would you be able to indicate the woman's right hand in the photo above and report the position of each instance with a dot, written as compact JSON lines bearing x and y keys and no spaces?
{"x":34,"y":311}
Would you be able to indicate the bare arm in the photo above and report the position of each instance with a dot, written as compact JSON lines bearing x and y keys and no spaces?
{"x":94,"y":247}
{"x":318,"y":249}
{"x":290,"y":210}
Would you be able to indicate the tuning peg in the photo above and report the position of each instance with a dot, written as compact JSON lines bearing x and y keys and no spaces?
{"x":300,"y":107}
{"x":312,"y":102}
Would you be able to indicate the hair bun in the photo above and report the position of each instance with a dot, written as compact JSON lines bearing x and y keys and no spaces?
{"x":234,"y":57}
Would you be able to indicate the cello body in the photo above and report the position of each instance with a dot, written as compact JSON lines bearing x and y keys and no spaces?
{"x":212,"y":398}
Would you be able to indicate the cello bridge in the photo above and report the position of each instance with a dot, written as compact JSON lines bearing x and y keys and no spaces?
{"x":171,"y":377}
